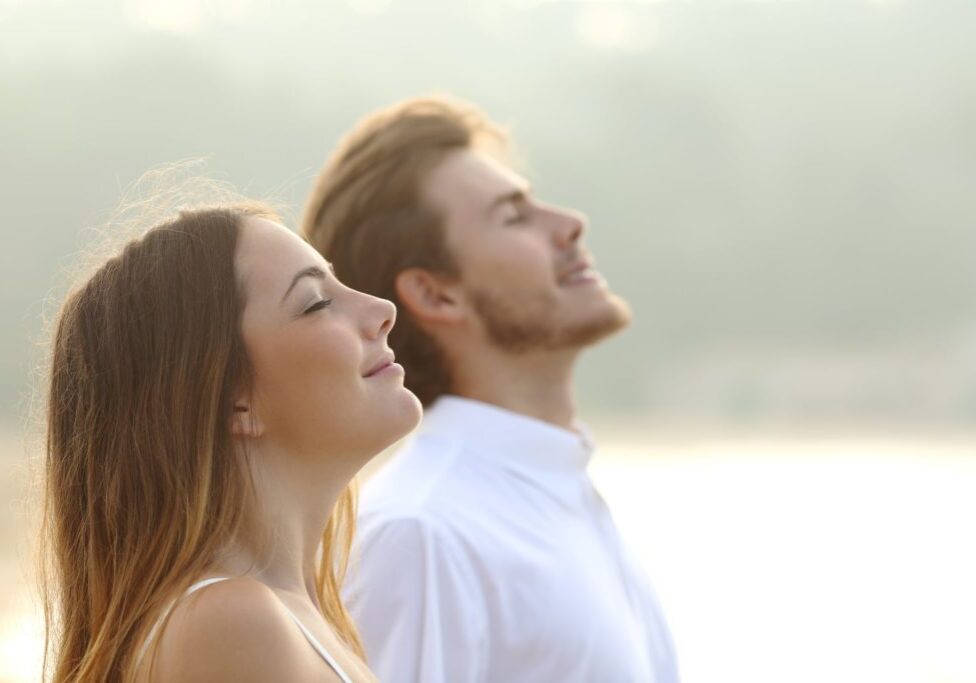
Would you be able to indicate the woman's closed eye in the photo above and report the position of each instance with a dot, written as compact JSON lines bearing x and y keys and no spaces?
{"x":317,"y":306}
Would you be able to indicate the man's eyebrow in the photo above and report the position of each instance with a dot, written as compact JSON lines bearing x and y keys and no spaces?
{"x":311,"y":271}
{"x":516,"y":195}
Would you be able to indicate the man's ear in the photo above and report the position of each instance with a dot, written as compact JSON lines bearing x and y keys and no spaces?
{"x":429,"y":297}
{"x":244,"y":421}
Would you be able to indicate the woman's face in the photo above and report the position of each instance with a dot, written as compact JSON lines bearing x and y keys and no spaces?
{"x":324,"y":380}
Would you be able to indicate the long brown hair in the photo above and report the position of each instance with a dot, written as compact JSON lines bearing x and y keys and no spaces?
{"x":368,"y":195}
{"x":143,"y":481}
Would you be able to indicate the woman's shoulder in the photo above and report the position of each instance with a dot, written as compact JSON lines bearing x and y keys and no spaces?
{"x":233,"y":630}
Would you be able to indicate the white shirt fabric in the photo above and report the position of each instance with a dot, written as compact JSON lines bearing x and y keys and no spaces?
{"x":485,"y":555}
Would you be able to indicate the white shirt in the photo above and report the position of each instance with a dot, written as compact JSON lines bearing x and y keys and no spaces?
{"x":484,"y":554}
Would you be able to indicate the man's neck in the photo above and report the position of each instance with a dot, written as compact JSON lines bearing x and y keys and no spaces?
{"x":538,"y":385}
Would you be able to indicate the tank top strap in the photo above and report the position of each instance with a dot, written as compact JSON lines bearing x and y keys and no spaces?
{"x":203,"y":583}
{"x":317,"y":646}
{"x":154,"y":631}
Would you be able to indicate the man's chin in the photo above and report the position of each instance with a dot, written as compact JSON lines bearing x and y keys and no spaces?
{"x":612,"y":318}
{"x":523,"y":329}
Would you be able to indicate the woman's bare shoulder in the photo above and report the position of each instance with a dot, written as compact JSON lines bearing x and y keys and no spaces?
{"x":235,"y":630}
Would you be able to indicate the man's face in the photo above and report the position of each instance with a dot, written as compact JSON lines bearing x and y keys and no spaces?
{"x":524,"y":271}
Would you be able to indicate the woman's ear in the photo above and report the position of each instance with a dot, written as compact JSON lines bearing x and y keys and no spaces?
{"x":244,"y":421}
{"x":428,"y":297}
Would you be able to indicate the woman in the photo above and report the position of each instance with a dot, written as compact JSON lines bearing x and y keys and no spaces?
{"x":214,"y":389}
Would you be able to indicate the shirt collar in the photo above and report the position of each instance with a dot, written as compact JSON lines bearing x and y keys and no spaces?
{"x":512,"y":439}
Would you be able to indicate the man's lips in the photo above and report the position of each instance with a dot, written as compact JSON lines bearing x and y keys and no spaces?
{"x":582,"y":271}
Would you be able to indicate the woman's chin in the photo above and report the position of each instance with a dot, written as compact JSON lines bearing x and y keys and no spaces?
{"x":411,"y":412}
{"x":400,"y":417}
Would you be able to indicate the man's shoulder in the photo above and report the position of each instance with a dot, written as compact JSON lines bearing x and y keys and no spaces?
{"x":423,"y":497}
{"x":424,"y":479}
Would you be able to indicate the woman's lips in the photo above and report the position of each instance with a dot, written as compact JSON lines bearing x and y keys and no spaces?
{"x":382,"y":362}
{"x":390,"y":367}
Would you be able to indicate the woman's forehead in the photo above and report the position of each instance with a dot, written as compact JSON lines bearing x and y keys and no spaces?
{"x":269,"y":254}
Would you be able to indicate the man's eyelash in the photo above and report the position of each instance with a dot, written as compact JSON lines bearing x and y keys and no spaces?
{"x":519,"y":216}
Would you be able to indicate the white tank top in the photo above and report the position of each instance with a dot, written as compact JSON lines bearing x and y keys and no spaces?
{"x":316,"y":645}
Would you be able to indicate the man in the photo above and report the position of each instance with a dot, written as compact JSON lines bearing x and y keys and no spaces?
{"x":484,"y":552}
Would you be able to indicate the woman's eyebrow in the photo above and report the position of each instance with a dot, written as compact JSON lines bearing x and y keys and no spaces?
{"x":311,"y":271}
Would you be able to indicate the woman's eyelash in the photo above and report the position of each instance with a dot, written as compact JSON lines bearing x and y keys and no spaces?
{"x":318,"y":305}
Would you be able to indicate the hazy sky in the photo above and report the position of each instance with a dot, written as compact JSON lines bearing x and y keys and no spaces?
{"x":781,"y":188}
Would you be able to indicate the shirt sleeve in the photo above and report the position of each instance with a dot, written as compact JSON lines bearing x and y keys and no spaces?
{"x":417,"y":603}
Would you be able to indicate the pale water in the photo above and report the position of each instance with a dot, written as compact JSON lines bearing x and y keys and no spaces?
{"x":777,"y":561}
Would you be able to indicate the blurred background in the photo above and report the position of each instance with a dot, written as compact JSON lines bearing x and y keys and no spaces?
{"x":783,"y":190}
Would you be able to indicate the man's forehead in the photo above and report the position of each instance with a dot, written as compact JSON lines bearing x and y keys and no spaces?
{"x":470,"y":178}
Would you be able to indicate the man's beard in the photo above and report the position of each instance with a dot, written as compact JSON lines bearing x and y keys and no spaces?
{"x":524,"y":323}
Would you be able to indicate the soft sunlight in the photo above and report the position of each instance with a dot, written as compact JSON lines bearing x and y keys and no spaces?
{"x":184,"y":16}
{"x":8,"y":7}
{"x":175,"y":16}
{"x":369,"y":7}
{"x":614,"y":26}
{"x":21,"y":648}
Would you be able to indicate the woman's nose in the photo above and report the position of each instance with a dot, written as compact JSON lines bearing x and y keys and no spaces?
{"x":383,"y":318}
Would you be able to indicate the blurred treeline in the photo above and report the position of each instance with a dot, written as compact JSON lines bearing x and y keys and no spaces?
{"x":784,"y":190}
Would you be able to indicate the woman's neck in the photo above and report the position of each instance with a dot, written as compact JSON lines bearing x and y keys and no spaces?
{"x":279,"y":539}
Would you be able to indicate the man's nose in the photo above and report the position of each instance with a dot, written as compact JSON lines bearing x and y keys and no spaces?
{"x":569,"y":226}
